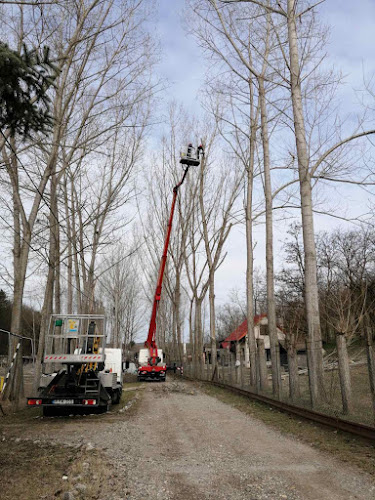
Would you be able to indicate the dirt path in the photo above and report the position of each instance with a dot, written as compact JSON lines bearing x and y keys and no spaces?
{"x":186,"y":445}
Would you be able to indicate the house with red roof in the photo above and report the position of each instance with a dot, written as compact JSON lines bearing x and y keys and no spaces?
{"x":237,"y":341}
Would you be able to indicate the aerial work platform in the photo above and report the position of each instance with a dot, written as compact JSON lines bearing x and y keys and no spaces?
{"x":75,"y":339}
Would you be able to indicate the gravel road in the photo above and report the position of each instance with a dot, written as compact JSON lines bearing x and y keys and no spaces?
{"x":192,"y":446}
{"x":182,"y":444}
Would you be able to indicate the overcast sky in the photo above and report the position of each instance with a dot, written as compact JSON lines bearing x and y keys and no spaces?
{"x":351,"y":50}
{"x":352,"y":26}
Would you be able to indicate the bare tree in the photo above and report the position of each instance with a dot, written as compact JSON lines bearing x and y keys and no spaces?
{"x":302,"y":61}
{"x":217,"y":222}
{"x":98,"y":102}
{"x":346,"y":260}
{"x":122,"y":290}
{"x":250,"y":65}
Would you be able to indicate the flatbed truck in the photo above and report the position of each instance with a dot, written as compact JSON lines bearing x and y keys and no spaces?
{"x":79,"y":372}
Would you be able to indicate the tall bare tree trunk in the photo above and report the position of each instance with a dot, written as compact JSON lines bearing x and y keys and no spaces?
{"x":294,"y":389}
{"x":47,"y":308}
{"x":20,"y":259}
{"x":254,"y":379}
{"x":70,"y":249}
{"x":211,"y":267}
{"x":198,"y":337}
{"x":271,"y":305}
{"x":238,"y":363}
{"x":20,"y":256}
{"x":371,"y":364}
{"x":76,"y":252}
{"x":344,"y":373}
{"x":211,"y":296}
{"x":57,"y":284}
{"x":177,"y":303}
{"x":191,"y":323}
{"x":16,"y":390}
{"x":311,"y":288}
{"x":262,"y":364}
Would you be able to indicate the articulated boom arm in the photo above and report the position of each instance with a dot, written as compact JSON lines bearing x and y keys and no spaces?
{"x":150,"y":342}
{"x":192,"y":158}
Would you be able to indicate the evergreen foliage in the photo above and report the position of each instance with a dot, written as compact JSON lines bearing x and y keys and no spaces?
{"x":24,"y":80}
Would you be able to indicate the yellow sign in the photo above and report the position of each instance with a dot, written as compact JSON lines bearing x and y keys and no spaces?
{"x":73,"y":325}
{"x":1,"y":383}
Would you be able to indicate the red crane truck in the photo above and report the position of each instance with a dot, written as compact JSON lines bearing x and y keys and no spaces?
{"x":151,"y":363}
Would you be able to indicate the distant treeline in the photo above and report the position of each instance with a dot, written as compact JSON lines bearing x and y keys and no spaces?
{"x":30,"y":322}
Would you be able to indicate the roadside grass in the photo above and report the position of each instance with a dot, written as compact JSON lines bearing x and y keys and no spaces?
{"x":362,"y":404}
{"x":356,"y":451}
{"x":24,"y":467}
{"x":33,"y":469}
{"x":128,"y":405}
{"x":42,"y":471}
{"x":22,"y":416}
{"x":129,"y":378}
{"x":332,"y":405}
{"x":20,"y":422}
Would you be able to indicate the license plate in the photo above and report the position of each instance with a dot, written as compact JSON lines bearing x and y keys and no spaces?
{"x":63,"y":402}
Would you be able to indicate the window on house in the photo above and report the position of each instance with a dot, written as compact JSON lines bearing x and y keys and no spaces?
{"x":263,"y":329}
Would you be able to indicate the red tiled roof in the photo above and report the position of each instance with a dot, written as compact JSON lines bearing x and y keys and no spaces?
{"x":240,"y":332}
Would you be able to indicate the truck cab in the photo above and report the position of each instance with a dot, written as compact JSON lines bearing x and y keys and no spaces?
{"x":147,"y":371}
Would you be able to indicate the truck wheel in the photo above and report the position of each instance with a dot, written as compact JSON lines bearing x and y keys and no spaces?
{"x":116,"y":397}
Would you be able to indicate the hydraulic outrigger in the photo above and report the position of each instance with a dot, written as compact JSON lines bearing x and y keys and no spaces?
{"x":151,"y":364}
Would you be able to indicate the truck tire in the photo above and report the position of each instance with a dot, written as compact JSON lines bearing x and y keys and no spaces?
{"x":116,"y":396}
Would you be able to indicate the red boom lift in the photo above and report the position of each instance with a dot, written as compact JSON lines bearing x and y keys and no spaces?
{"x":151,"y":365}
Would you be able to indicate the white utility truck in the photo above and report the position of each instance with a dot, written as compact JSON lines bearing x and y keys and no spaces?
{"x":78,"y":370}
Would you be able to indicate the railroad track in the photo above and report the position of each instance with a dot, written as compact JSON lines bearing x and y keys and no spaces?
{"x":361,"y":430}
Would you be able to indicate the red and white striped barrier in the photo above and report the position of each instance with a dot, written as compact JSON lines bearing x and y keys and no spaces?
{"x":73,"y":358}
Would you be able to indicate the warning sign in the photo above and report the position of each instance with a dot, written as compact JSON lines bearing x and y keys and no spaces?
{"x":73,"y":325}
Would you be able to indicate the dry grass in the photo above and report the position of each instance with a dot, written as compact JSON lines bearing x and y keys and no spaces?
{"x":129,"y":378}
{"x":34,"y":469}
{"x":45,"y":471}
{"x":362,"y":403}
